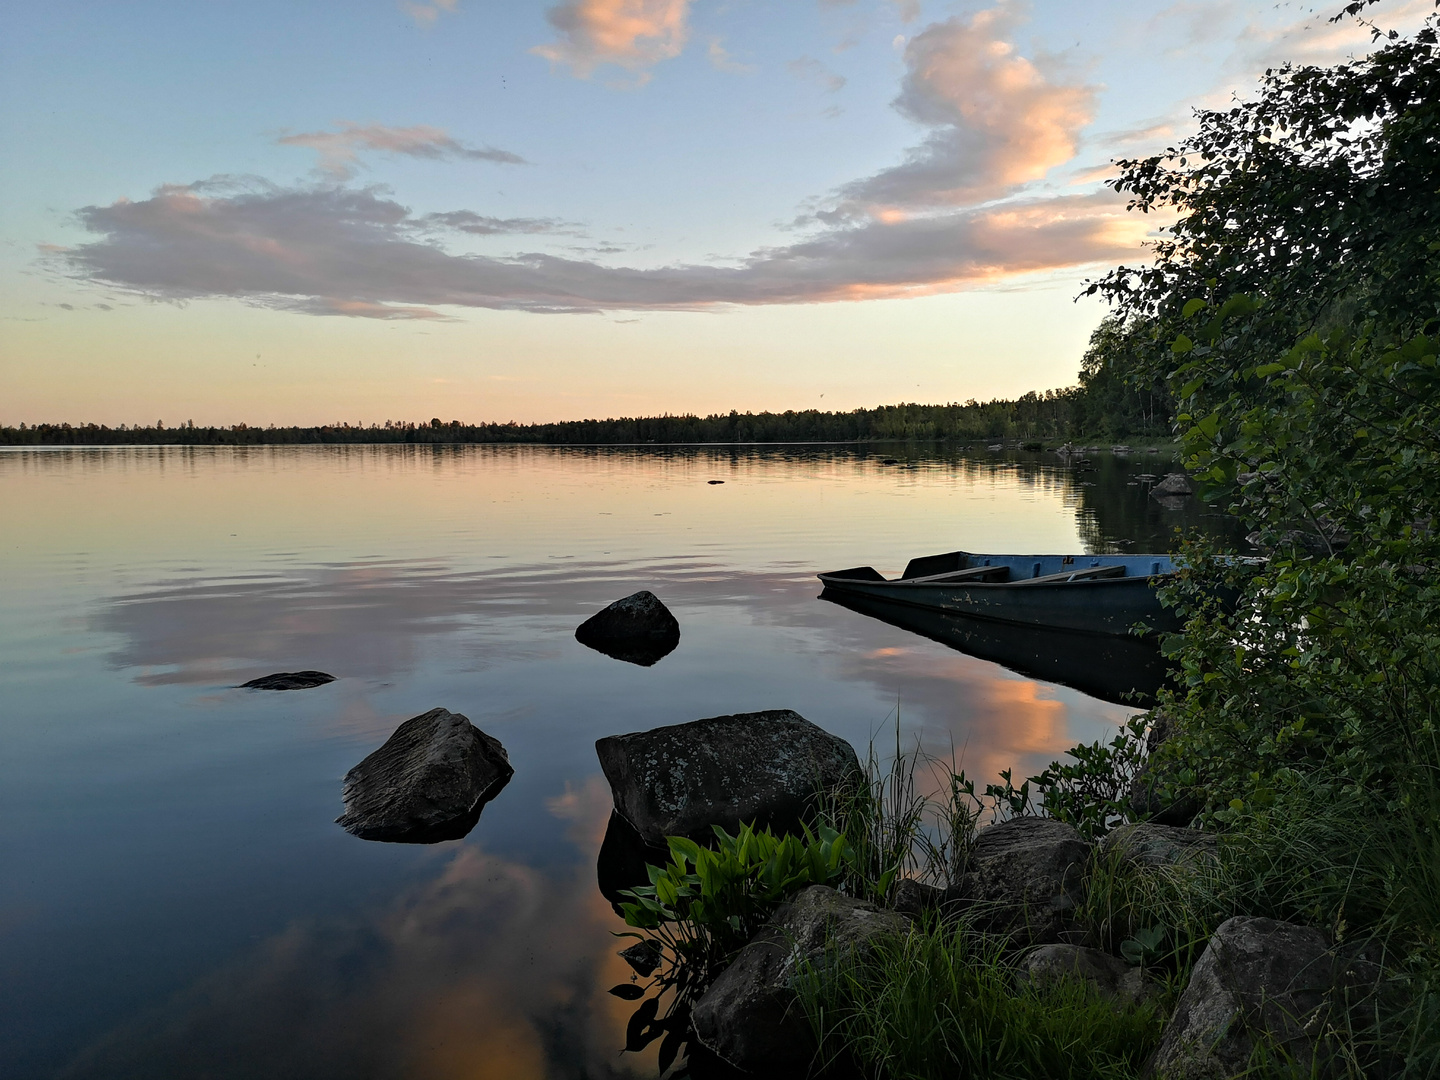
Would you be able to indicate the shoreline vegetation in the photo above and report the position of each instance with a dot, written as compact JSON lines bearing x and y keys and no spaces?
{"x":1054,"y":416}
{"x":1245,"y":881}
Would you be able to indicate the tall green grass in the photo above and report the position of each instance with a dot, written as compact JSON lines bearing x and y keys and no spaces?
{"x":944,"y":1001}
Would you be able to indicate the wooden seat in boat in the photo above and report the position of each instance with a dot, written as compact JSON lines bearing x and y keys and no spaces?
{"x":1088,"y":573}
{"x":975,"y":573}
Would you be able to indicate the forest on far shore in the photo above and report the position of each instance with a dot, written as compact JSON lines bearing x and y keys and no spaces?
{"x":1103,"y":406}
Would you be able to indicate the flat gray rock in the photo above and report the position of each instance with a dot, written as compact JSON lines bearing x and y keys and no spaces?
{"x":427,"y":783}
{"x":289,"y":680}
{"x":1110,"y":976}
{"x":764,"y":767}
{"x":750,"y":1016}
{"x":638,"y":629}
{"x":1025,"y":877}
{"x":1150,"y":844}
{"x":1259,"y":977}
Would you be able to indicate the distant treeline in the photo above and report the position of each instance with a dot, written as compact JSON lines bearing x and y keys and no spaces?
{"x":1055,"y":414}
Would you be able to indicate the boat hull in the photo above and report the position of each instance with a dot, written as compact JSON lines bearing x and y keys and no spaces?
{"x":1110,"y":606}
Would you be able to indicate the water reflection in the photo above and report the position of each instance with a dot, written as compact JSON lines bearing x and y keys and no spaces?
{"x":1123,"y":670}
{"x":490,"y":969}
{"x":177,"y":900}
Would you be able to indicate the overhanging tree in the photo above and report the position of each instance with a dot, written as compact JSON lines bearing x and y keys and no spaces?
{"x":1293,"y":309}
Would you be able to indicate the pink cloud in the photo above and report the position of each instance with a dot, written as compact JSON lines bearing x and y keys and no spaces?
{"x":339,"y":251}
{"x":426,"y":14}
{"x":998,"y":120}
{"x":632,"y":34}
{"x":339,"y":151}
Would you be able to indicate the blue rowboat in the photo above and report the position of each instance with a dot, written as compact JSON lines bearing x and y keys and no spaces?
{"x":1081,"y":594}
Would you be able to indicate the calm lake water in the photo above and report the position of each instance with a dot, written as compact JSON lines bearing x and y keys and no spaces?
{"x":175,"y":900}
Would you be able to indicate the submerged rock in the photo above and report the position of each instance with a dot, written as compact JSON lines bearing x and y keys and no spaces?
{"x":643,"y":957}
{"x":1259,"y":979}
{"x":288,"y":680}
{"x":750,"y":1017}
{"x":765,"y":767}
{"x":1110,"y":976}
{"x":427,"y":783}
{"x":1174,"y":484}
{"x":638,"y":629}
{"x":622,"y":860}
{"x":1025,"y":877}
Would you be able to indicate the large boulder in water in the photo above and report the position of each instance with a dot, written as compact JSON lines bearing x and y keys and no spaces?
{"x":765,"y":767}
{"x":750,"y":1017}
{"x":638,"y":629}
{"x":427,"y":783}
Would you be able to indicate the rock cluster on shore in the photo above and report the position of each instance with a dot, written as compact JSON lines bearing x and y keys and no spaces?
{"x":1022,"y":880}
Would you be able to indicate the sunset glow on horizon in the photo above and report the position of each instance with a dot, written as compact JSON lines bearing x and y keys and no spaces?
{"x":591,"y":208}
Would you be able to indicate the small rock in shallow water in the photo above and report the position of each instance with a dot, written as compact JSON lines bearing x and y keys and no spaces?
{"x":288,"y":680}
{"x":1173,"y":484}
{"x":427,"y":783}
{"x":643,"y":957}
{"x":638,"y":629}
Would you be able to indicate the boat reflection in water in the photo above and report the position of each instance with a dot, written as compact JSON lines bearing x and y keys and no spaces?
{"x":1125,"y":670}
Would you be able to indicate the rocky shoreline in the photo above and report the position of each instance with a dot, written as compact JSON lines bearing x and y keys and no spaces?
{"x":1023,"y":882}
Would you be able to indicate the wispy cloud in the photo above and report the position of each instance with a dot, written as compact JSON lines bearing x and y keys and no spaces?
{"x":908,"y":10}
{"x":952,"y":215}
{"x":331,"y":250}
{"x":632,"y":34}
{"x":812,"y":70}
{"x":426,"y":14}
{"x":466,"y":221}
{"x":339,"y":151}
{"x":997,"y":121}
{"x":721,"y":60}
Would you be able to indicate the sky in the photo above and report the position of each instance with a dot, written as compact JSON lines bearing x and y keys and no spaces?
{"x":307,"y":213}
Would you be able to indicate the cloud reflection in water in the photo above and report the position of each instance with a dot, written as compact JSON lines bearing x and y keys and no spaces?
{"x":492,"y":969}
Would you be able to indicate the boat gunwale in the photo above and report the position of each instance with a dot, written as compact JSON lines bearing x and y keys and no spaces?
{"x":1025,"y":583}
{"x":1111,"y":559}
{"x":1001,"y":619}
